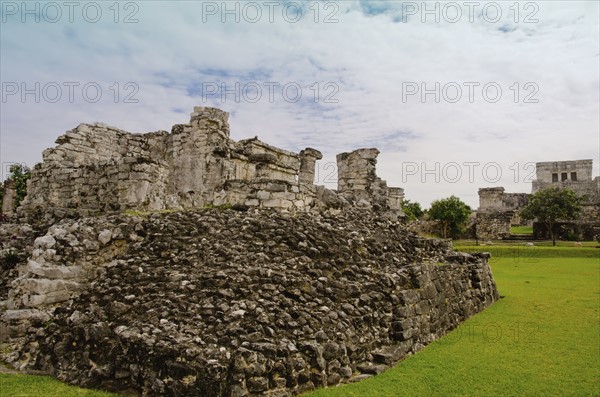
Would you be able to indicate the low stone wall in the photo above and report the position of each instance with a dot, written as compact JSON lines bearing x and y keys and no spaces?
{"x":573,"y":231}
{"x":233,"y":303}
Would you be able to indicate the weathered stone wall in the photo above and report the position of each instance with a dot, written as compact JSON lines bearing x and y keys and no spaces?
{"x":495,"y":198}
{"x":497,"y":212}
{"x":358,"y":181}
{"x":490,"y":198}
{"x":99,"y":169}
{"x":569,"y":231}
{"x":514,"y":201}
{"x":230,"y":303}
{"x":561,"y":174}
{"x":583,"y":168}
{"x":493,"y":224}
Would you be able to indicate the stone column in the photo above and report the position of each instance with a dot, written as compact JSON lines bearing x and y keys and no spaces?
{"x":9,"y":197}
{"x":211,"y":119}
{"x":395,"y":197}
{"x":308,"y":159}
{"x":356,"y":170}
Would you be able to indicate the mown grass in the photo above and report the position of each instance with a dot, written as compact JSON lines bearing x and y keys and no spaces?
{"x":521,"y":229}
{"x":541,"y":339}
{"x":17,"y":385}
{"x":533,"y":254}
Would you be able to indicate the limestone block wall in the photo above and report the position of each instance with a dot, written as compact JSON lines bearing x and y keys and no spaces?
{"x":495,"y":198}
{"x":497,"y":212}
{"x":575,"y":175}
{"x":583,"y":168}
{"x":358,"y":181}
{"x":99,"y":168}
{"x":357,"y":172}
{"x":96,"y":169}
{"x":490,"y":198}
{"x":514,"y":201}
{"x":395,"y":197}
{"x":493,"y":224}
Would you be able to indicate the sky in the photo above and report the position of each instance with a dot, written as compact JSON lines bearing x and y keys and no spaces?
{"x":456,"y":95}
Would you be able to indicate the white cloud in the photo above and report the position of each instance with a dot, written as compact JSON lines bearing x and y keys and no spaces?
{"x":367,"y":56}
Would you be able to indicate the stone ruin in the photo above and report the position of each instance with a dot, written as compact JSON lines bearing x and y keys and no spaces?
{"x":96,"y":168}
{"x":498,"y":211}
{"x":287,"y":288}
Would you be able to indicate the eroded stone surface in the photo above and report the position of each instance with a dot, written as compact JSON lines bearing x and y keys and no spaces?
{"x":100,"y":169}
{"x":230,"y":303}
{"x":295,"y":287}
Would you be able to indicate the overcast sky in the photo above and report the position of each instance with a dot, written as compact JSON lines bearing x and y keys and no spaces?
{"x":457,"y":96}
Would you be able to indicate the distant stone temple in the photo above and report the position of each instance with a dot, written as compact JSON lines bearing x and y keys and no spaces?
{"x":99,"y":169}
{"x":575,"y":175}
{"x":498,"y":211}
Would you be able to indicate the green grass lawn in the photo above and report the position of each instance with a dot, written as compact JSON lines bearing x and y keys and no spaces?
{"x":541,"y":339}
{"x":521,"y":229}
{"x":43,"y":386}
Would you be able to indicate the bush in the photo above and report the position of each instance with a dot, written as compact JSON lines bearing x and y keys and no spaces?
{"x":413,"y":211}
{"x":19,"y":174}
{"x":453,"y":215}
{"x":10,"y":259}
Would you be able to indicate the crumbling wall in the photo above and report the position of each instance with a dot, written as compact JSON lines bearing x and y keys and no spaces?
{"x":358,"y":181}
{"x":493,"y":224}
{"x":497,"y":212}
{"x":96,"y":168}
{"x":99,"y":169}
{"x":494,"y":199}
{"x":490,"y":198}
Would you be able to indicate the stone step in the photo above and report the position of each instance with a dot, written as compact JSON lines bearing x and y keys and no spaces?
{"x":520,"y":237}
{"x":53,"y":272}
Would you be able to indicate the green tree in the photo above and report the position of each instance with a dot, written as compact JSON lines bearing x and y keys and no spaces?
{"x":452,"y":213}
{"x":412,"y":210}
{"x":19,"y":174}
{"x":550,"y":205}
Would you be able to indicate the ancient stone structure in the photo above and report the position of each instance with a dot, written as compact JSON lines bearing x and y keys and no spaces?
{"x":256,"y":282}
{"x":229,"y":303}
{"x":498,"y":211}
{"x":575,"y":175}
{"x":8,"y":197}
{"x":98,"y":169}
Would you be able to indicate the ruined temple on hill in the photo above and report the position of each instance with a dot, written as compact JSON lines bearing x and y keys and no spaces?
{"x":295,"y":287}
{"x":96,"y":168}
{"x":498,"y":211}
